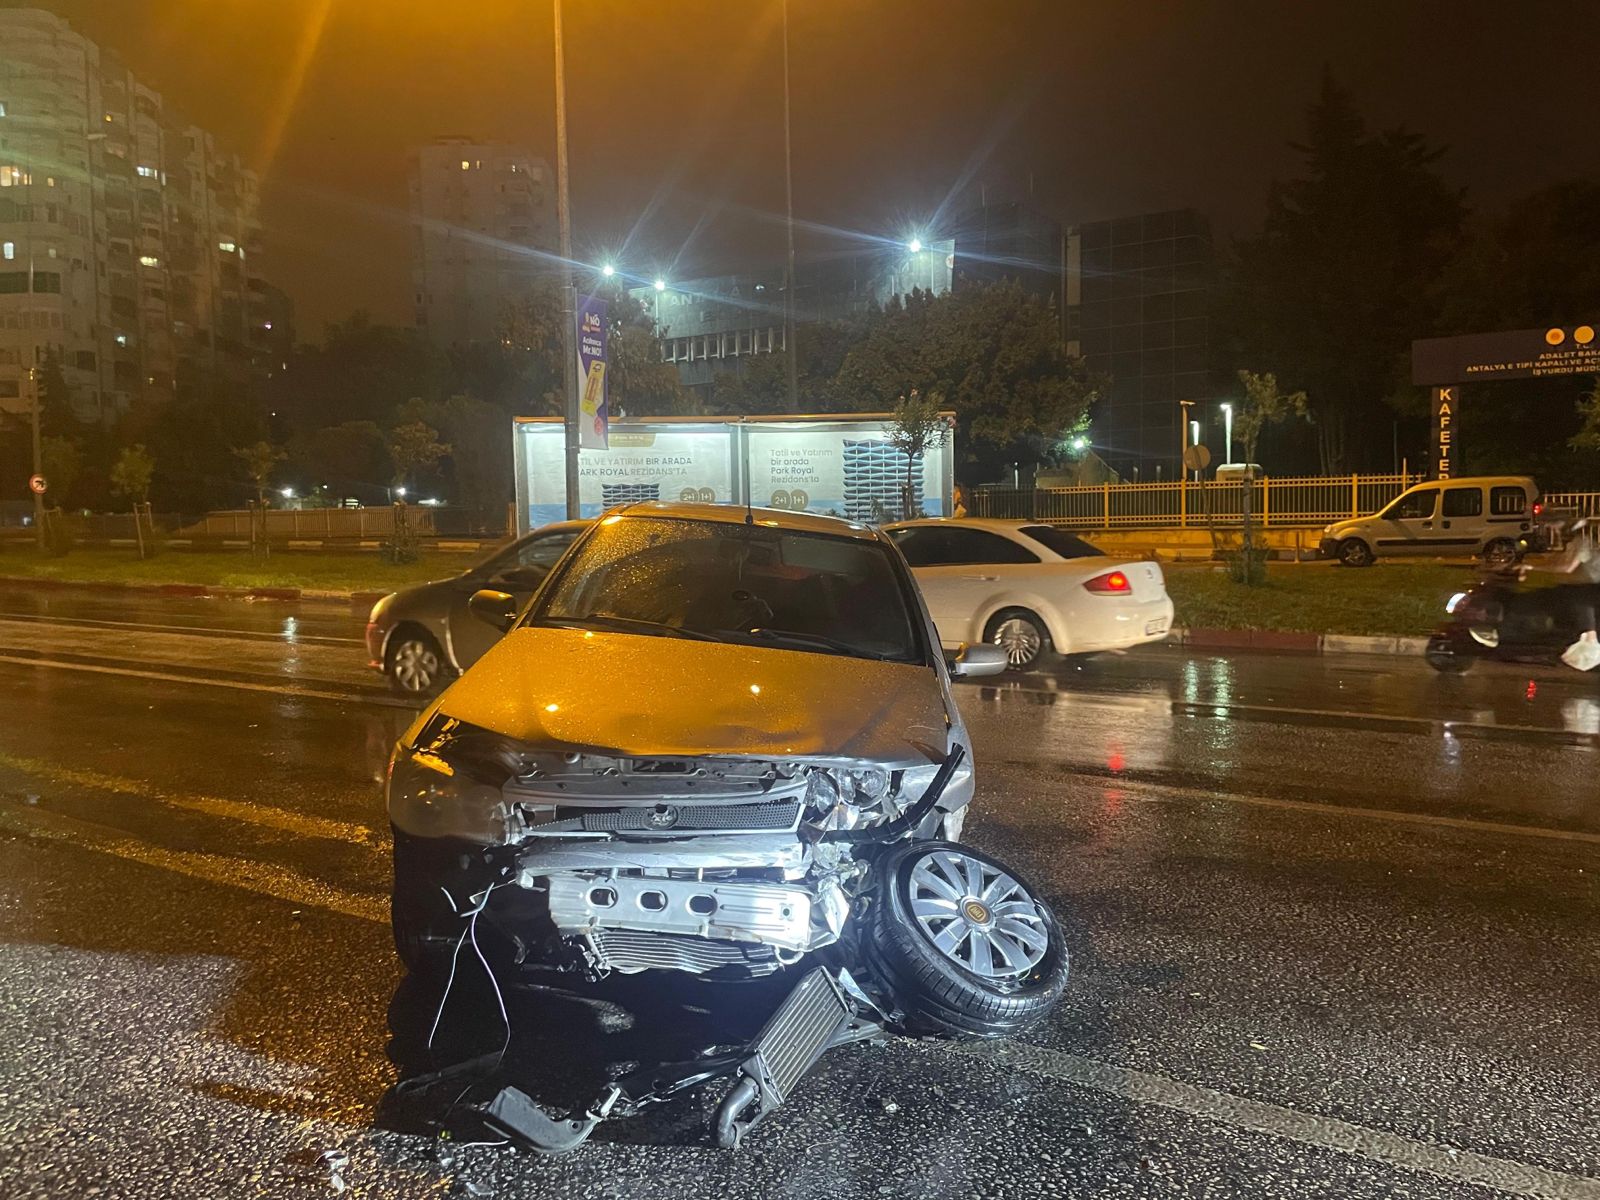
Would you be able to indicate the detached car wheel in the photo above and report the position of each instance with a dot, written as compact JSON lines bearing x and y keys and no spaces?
{"x":964,"y":946}
{"x":1021,"y":635}
{"x":415,"y":665}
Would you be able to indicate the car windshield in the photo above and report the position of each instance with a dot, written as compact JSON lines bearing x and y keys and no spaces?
{"x":739,"y":583}
{"x":1059,"y":541}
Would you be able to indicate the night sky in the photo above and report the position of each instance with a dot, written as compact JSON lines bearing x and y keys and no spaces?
{"x":901,"y":107}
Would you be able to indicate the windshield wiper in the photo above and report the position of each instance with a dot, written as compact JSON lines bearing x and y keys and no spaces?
{"x":817,"y":640}
{"x":628,"y":625}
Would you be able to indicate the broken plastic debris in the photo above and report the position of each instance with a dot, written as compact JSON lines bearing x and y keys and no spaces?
{"x":473,"y":1188}
{"x":335,"y":1161}
{"x":1257,"y":1046}
{"x":890,"y":1107}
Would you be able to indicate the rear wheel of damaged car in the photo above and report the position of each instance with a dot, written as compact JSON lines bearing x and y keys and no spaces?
{"x":414,"y":662}
{"x":1353,"y":552}
{"x":963,"y":946}
{"x":1021,"y":634}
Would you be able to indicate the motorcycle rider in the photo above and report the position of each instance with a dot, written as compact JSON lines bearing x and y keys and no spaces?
{"x":1581,"y":558}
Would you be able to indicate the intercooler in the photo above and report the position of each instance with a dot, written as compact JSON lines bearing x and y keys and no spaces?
{"x":629,"y":950}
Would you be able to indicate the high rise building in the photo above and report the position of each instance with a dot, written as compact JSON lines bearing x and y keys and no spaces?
{"x":1139,"y":310}
{"x":126,"y":235}
{"x":484,"y":229}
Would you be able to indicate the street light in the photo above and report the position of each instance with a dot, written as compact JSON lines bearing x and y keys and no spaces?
{"x":1080,"y":443}
{"x":608,"y":270}
{"x":914,"y":245}
{"x":1227,"y":432}
{"x":287,"y":493}
{"x":661,"y":285}
{"x":401,"y":492}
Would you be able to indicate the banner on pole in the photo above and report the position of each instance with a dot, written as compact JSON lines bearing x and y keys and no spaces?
{"x":593,"y":414}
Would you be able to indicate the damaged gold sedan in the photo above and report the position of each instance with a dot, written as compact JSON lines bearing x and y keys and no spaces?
{"x":719,"y":743}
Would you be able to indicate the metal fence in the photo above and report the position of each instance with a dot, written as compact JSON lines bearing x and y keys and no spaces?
{"x":1573,"y":505}
{"x":1274,"y":503}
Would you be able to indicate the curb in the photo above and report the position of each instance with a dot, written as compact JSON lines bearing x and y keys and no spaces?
{"x":193,"y":590}
{"x":1296,"y":643}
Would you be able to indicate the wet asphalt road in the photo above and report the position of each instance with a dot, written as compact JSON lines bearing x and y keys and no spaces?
{"x":1335,"y":923}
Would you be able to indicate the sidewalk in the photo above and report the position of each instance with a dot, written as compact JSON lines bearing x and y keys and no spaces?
{"x":194,"y":590}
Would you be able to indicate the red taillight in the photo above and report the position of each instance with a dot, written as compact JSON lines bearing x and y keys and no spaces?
{"x":1537,"y":509}
{"x":1114,"y":584}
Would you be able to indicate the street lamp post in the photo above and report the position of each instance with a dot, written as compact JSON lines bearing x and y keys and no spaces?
{"x":569,"y":375}
{"x":1227,"y":433}
{"x":38,"y":456}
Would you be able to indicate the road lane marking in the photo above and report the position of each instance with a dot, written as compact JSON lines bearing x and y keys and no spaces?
{"x":1138,"y":1086}
{"x":253,"y":635}
{"x":1309,"y":1129}
{"x":282,"y":819}
{"x":251,"y":875}
{"x":1133,"y":784}
{"x":276,"y":689}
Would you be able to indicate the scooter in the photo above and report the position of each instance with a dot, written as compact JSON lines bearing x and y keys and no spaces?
{"x":1503,"y":619}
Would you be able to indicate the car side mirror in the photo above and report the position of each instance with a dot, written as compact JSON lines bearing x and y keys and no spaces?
{"x":970,"y":660}
{"x":493,"y":608}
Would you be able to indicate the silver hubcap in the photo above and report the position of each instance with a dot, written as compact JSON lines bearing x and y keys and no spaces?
{"x":416,"y":666}
{"x":1019,"y":639}
{"x":977,"y":916}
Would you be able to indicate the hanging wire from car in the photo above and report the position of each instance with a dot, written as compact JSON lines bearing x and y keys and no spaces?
{"x":470,"y":933}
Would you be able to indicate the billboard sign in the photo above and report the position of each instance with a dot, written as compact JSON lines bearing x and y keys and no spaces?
{"x":843,"y":467}
{"x":1518,"y":354}
{"x":1446,"y":404}
{"x":593,"y":414}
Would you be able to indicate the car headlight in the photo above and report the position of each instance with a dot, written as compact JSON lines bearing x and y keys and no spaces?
{"x":430,"y":798}
{"x":1455,"y":602}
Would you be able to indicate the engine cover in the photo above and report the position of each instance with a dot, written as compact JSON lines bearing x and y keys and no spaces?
{"x":771,"y":913}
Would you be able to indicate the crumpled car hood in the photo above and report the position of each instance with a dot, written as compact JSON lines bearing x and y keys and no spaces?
{"x":635,"y":696}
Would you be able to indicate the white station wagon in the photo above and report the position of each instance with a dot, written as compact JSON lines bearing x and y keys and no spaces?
{"x":1031,"y":588}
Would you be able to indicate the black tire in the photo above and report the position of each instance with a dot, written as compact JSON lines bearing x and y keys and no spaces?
{"x":1501,"y":552}
{"x":1353,"y":552}
{"x":1022,"y":635}
{"x":937,"y":993}
{"x":1443,"y":657}
{"x":414,"y":663}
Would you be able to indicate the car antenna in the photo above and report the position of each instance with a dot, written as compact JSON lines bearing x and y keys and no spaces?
{"x":749,"y":508}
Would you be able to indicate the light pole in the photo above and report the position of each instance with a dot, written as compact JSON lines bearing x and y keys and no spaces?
{"x":38,"y":453}
{"x":1227,"y":432}
{"x":569,"y":375}
{"x":1183,"y":434}
{"x":791,"y":348}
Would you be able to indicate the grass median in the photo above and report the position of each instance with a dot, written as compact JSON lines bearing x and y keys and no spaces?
{"x":1387,"y":599}
{"x":331,"y":571}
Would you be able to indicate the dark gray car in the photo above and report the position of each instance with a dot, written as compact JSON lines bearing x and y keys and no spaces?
{"x":423,"y":636}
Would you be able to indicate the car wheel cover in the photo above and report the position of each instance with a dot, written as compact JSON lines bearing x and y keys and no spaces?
{"x":1020,"y":639}
{"x":1357,"y":553}
{"x":416,"y":665}
{"x":977,"y":916}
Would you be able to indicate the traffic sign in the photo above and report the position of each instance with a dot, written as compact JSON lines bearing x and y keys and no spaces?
{"x":1196,"y":457}
{"x":37,"y":484}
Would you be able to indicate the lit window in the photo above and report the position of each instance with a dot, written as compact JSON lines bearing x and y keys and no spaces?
{"x":51,"y":252}
{"x":227,"y":247}
{"x":515,"y":169}
{"x":108,"y":118}
{"x":14,"y":177}
{"x":465,"y":165}
{"x":478,"y":164}
{"x":9,"y":250}
{"x":122,"y":339}
{"x":266,"y":324}
{"x":2,"y":108}
{"x":149,"y":260}
{"x":147,"y":172}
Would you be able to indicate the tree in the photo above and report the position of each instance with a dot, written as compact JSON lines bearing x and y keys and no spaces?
{"x":1342,"y":276}
{"x":480,"y":470}
{"x":918,"y":425}
{"x":992,"y":353}
{"x":260,"y":460}
{"x":362,"y":371}
{"x":1588,"y":437}
{"x":63,"y":463}
{"x":414,"y":447}
{"x":1263,"y":405}
{"x":349,"y":459}
{"x":132,"y":473}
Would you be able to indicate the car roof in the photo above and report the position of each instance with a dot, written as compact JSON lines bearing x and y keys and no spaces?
{"x":994,"y":524}
{"x":738,"y":514}
{"x":561,"y":526}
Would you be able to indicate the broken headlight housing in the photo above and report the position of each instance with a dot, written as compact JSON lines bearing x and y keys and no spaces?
{"x":449,"y":784}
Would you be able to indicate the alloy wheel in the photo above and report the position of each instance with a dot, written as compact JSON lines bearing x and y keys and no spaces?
{"x":1020,"y":639}
{"x":977,"y":916}
{"x":415,"y":665}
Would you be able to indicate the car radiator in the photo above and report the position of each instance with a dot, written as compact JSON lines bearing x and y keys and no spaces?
{"x":629,"y":950}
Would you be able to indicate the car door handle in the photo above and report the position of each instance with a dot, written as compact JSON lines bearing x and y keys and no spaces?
{"x":981,"y":578}
{"x":1444,"y":524}
{"x":1427,"y":524}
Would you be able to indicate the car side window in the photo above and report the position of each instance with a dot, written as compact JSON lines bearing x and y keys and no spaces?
{"x":980,"y":546}
{"x":921,"y":544}
{"x":1463,"y":502}
{"x":543,"y":551}
{"x":1507,"y":502}
{"x":1414,"y":506}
